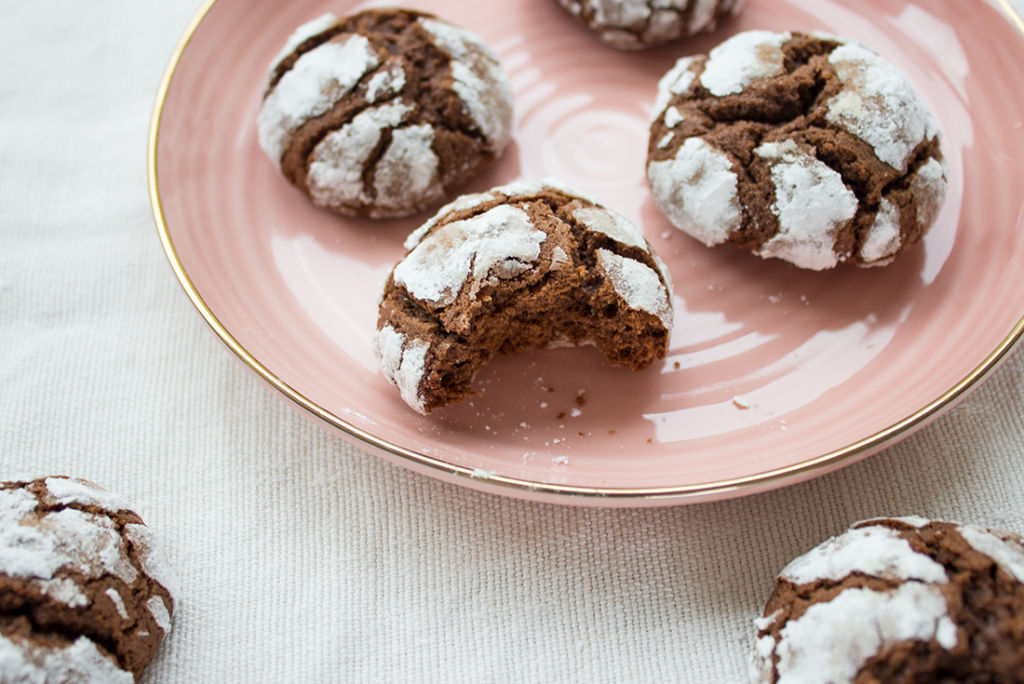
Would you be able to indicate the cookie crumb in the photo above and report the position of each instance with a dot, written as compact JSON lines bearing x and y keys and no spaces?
{"x":560,"y":460}
{"x":581,"y":398}
{"x":576,"y":413}
{"x":741,"y":403}
{"x":561,"y":415}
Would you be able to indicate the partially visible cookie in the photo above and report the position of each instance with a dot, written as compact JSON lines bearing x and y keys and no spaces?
{"x":523,"y":266}
{"x":385,"y":112}
{"x":84,"y":591}
{"x":805,"y":148}
{"x":637,"y":24}
{"x":898,"y":600}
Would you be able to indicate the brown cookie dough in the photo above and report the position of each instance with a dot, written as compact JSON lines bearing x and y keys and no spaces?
{"x":898,"y":600}
{"x":385,"y":112}
{"x":84,"y":593}
{"x":523,"y":266}
{"x":637,"y":24}
{"x":805,"y":148}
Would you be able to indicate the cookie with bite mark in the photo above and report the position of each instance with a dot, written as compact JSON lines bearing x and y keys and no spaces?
{"x":85,"y":592}
{"x":523,"y":266}
{"x":385,"y":112}
{"x":898,"y":600}
{"x":806,"y":148}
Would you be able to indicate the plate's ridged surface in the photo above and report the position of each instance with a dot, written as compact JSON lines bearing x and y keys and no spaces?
{"x":775,"y":374}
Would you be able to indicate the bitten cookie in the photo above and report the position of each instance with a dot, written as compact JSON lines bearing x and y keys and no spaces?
{"x":84,"y":592}
{"x":898,"y":600}
{"x":637,"y":24}
{"x":523,"y":266}
{"x":805,"y":148}
{"x":385,"y":112}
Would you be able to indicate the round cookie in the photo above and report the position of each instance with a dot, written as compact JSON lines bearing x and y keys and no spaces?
{"x":523,"y":266}
{"x":805,"y":148}
{"x":84,"y":592}
{"x":898,"y":600}
{"x":637,"y":24}
{"x":385,"y":112}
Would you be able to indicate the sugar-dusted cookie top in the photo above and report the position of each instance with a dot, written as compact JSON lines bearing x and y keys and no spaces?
{"x":805,"y":148}
{"x":523,"y":266}
{"x":636,"y":24}
{"x":85,"y":593}
{"x":385,"y":112}
{"x":898,"y":599}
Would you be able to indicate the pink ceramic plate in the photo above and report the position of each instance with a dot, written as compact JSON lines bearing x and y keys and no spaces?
{"x":775,"y":375}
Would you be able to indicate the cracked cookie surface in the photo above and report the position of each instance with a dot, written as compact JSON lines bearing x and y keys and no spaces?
{"x":637,"y":24}
{"x":522,"y":266}
{"x":385,"y":112}
{"x":898,"y":600}
{"x":805,"y":148}
{"x":85,"y":595}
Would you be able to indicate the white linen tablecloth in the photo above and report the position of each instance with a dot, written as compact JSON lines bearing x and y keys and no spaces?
{"x":302,"y":558}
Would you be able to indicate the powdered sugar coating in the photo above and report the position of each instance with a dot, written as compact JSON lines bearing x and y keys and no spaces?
{"x":118,"y":602}
{"x":403,"y":362}
{"x":883,"y":239}
{"x":742,"y":60}
{"x":811,"y":202}
{"x":1006,"y":552}
{"x":318,"y":80}
{"x":635,"y":24}
{"x":36,"y":545}
{"x":698,"y":191}
{"x":876,"y":551}
{"x":497,"y":244}
{"x":407,"y":169}
{"x":460,"y":203}
{"x":151,"y":557}
{"x":832,"y":641}
{"x":637,"y":284}
{"x":480,"y":82}
{"x":878,"y":104}
{"x":74,"y":543}
{"x":22,"y":662}
{"x":386,"y":83}
{"x":158,"y":609}
{"x":68,"y":490}
{"x":678,"y":80}
{"x":615,"y":226}
{"x":336,"y":168}
{"x":328,"y":86}
{"x":301,"y":35}
{"x":929,"y":189}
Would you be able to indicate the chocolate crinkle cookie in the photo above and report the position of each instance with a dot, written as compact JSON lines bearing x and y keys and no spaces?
{"x":898,"y":600}
{"x":637,"y":24}
{"x":385,"y":112}
{"x":806,"y":148}
{"x":84,"y":591}
{"x":523,"y":266}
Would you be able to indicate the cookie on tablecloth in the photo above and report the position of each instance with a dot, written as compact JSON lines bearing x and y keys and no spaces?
{"x":385,"y":112}
{"x":806,"y":148}
{"x":898,"y":600}
{"x":523,"y":266}
{"x":637,"y":24}
{"x":84,"y":591}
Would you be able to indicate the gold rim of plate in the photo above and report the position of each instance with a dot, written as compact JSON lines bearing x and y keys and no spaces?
{"x":680,"y":493}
